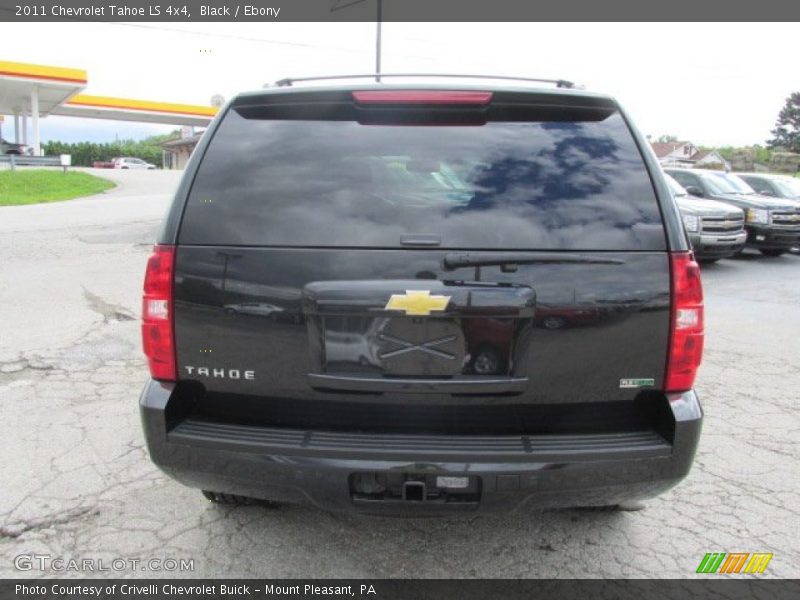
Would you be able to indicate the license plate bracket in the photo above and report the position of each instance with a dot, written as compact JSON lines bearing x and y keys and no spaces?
{"x":397,"y":487}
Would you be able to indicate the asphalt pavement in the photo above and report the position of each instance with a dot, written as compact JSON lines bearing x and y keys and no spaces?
{"x":77,"y":482}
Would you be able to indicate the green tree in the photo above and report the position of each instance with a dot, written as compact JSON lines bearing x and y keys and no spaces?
{"x":787,"y":128}
{"x":84,"y":154}
{"x":666,"y":139}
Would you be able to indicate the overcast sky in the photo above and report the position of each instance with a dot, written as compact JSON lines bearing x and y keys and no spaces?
{"x":715,"y":84}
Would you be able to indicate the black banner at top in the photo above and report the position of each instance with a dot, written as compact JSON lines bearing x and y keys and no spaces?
{"x":396,"y":10}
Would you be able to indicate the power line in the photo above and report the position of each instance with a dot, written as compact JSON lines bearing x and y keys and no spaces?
{"x":237,"y":37}
{"x":336,"y":6}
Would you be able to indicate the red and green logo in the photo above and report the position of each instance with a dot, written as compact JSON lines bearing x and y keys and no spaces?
{"x":734,"y":562}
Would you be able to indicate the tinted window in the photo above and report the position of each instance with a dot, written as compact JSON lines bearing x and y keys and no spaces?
{"x":549,"y":185}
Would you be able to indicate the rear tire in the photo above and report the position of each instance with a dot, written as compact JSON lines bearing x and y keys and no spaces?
{"x":629,"y":506}
{"x":237,"y":500}
{"x":771,"y":253}
{"x":229,"y":499}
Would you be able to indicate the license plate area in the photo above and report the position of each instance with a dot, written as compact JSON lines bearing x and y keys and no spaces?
{"x":418,"y":347}
{"x":415,"y":488}
{"x":408,"y":346}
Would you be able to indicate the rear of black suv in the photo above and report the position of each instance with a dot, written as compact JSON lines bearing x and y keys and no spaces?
{"x":399,"y":249}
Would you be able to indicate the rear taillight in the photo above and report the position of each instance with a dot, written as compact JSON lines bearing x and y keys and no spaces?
{"x":686,"y":333}
{"x":157,"y":317}
{"x":422,"y":97}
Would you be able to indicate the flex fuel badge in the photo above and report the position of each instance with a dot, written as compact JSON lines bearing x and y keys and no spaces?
{"x":637,"y":383}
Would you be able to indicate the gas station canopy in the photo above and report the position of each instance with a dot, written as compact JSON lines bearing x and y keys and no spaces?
{"x":123,"y":109}
{"x":41,"y":90}
{"x":55,"y":85}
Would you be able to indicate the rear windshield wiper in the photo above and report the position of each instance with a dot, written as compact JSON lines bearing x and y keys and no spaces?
{"x":508,"y":261}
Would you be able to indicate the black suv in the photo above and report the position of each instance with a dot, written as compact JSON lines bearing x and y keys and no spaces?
{"x":772,"y":224}
{"x":406,"y":244}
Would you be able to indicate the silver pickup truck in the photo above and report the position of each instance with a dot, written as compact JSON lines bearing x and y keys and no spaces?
{"x":715,"y":229}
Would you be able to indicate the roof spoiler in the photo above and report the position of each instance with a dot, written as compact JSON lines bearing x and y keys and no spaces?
{"x":289,"y":81}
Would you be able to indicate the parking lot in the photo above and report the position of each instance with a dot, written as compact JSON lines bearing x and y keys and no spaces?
{"x":77,"y":481}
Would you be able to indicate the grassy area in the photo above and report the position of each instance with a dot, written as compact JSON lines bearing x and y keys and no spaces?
{"x":31,"y":186}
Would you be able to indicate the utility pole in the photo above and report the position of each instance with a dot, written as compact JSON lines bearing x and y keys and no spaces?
{"x":378,"y":42}
{"x":379,"y":18}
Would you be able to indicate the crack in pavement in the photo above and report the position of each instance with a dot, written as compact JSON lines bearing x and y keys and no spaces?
{"x":20,"y":365}
{"x":109,"y":312}
{"x":15,"y":530}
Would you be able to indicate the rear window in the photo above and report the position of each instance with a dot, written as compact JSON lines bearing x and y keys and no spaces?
{"x":571,"y":185}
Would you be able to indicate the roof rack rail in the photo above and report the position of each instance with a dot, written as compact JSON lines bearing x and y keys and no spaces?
{"x":287,"y":82}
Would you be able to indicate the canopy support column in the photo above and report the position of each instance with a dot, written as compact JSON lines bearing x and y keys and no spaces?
{"x":37,"y":150}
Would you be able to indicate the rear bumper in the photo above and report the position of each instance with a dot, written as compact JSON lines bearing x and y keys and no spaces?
{"x":504,"y":472}
{"x":707,"y":245}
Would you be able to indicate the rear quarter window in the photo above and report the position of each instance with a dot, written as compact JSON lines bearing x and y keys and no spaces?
{"x":550,"y":185}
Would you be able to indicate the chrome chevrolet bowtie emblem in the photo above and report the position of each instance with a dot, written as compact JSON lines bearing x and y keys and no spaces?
{"x":418,"y":303}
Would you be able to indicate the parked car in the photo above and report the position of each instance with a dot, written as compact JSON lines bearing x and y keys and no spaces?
{"x":12,"y":148}
{"x":105,"y":164}
{"x":715,"y":229}
{"x":132,"y":163}
{"x":779,"y":186}
{"x":772,"y":224}
{"x":419,"y":380}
